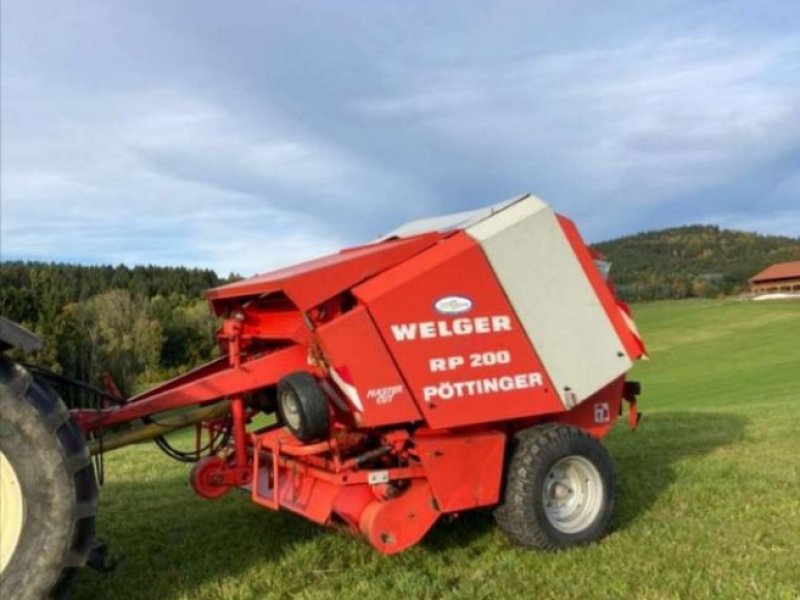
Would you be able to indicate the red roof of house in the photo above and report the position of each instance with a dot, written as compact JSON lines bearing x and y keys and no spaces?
{"x":786,"y":270}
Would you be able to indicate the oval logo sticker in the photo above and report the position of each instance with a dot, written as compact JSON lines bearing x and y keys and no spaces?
{"x":453,"y":305}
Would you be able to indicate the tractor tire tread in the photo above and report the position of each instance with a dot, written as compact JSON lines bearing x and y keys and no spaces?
{"x":45,"y":562}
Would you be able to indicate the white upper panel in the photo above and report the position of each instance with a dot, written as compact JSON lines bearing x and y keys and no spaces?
{"x":554,"y":300}
{"x":450,"y":222}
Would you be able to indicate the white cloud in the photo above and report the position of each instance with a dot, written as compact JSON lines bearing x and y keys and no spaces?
{"x":634,"y":125}
{"x":164,"y":177}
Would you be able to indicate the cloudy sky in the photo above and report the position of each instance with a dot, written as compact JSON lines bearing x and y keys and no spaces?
{"x":246,"y":135}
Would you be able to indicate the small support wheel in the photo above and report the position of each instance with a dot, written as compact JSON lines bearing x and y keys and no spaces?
{"x":207,"y":478}
{"x":303,"y":406}
{"x":560,"y":488}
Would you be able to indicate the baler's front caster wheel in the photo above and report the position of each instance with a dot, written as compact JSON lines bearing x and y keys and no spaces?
{"x":206,"y":478}
{"x":560,"y":488}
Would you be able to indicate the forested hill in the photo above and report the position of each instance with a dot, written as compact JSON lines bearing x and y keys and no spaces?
{"x":695,"y":260}
{"x":140,"y":324}
{"x":30,"y":291}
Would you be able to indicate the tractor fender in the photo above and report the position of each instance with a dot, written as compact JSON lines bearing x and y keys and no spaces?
{"x":13,"y":335}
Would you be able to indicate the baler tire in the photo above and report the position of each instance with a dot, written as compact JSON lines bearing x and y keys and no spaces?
{"x":533,"y":454}
{"x":47,"y":453}
{"x":311,"y":421}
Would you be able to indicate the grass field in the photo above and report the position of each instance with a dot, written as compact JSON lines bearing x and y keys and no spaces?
{"x":709,"y":502}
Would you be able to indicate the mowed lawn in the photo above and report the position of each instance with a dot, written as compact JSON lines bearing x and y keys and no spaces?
{"x":709,"y":501}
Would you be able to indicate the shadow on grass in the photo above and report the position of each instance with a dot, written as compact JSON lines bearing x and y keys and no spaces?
{"x":646,"y":458}
{"x":645,"y":461}
{"x":175,"y":544}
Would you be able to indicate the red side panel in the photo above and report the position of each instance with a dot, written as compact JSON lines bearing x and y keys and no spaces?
{"x":597,"y":414}
{"x":472,"y":366}
{"x":311,"y":283}
{"x":464,"y":471}
{"x":307,"y":496}
{"x":624,"y":327}
{"x":364,"y":371}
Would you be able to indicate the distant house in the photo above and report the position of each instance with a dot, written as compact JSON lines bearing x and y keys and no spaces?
{"x":780,"y":277}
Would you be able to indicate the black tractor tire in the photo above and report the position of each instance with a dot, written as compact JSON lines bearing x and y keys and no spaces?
{"x":559,"y":490}
{"x":47,"y":453}
{"x":303,"y":406}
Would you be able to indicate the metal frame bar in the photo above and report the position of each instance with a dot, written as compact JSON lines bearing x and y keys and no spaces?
{"x":210,"y":382}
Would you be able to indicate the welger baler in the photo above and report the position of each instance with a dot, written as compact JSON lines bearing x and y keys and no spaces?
{"x":467,"y":361}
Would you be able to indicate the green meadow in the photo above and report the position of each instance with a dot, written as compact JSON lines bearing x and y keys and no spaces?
{"x":709,"y":499}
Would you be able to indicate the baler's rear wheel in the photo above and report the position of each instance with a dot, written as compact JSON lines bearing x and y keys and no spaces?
{"x":47,"y":489}
{"x":560,"y":488}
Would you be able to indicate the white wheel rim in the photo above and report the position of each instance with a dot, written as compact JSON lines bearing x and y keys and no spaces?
{"x":572,"y":494}
{"x":12,"y":511}
{"x":291,"y":409}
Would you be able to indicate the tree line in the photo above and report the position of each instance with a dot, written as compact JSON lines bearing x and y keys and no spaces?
{"x":140,"y":325}
{"x":692,"y":261}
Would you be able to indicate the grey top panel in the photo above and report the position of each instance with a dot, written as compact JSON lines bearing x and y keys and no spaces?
{"x":451,"y":222}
